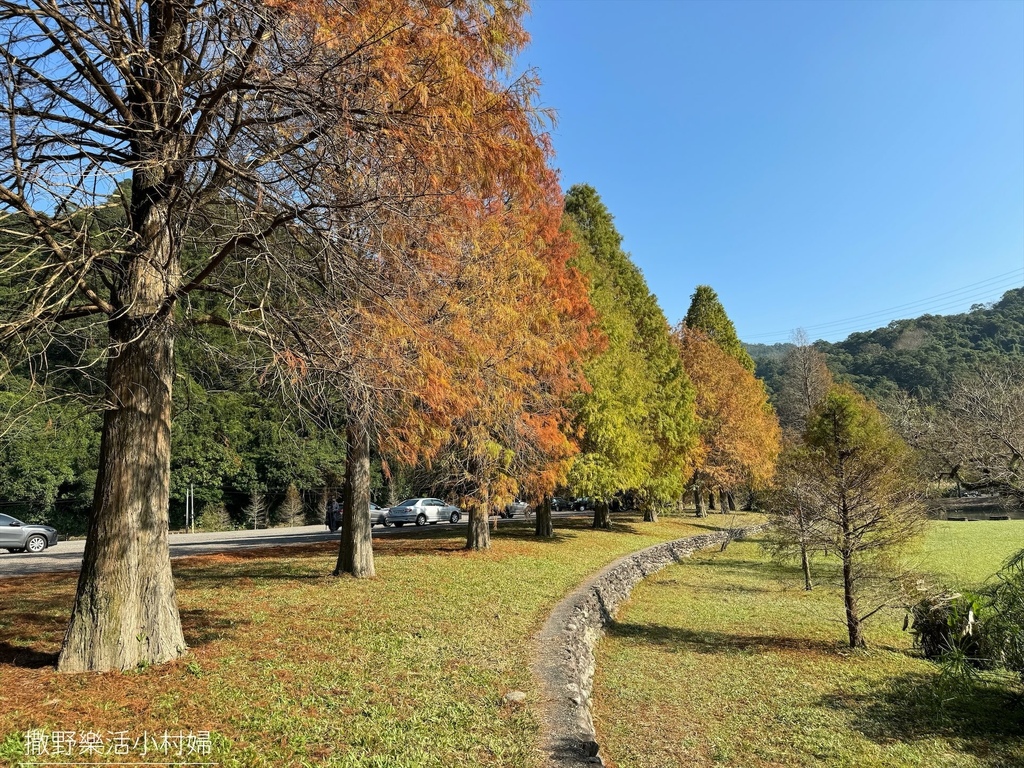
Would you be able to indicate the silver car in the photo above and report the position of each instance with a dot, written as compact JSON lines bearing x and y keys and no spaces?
{"x":517,"y":507}
{"x":379,"y":516}
{"x":16,"y":536}
{"x":423,"y":511}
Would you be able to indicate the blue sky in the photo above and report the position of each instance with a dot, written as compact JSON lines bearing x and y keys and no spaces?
{"x":825,"y":165}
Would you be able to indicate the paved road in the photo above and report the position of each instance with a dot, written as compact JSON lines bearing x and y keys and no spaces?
{"x":67,"y":555}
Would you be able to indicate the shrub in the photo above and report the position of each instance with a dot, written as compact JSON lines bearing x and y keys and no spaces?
{"x":214,"y":517}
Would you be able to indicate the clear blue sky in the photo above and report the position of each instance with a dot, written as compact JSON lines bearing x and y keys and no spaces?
{"x":814,"y":162}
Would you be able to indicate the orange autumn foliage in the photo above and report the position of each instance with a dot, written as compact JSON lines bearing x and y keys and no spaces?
{"x":740,"y":439}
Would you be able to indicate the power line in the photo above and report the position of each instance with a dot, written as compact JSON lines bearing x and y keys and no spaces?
{"x":985,"y":289}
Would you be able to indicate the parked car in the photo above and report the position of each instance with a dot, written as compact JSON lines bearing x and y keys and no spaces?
{"x":378,"y":516}
{"x":16,"y":536}
{"x":423,"y":511}
{"x":517,"y":507}
{"x":558,"y":504}
{"x":581,"y":503}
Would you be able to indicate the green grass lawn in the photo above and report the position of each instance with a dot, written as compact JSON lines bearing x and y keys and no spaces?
{"x":725,"y":660}
{"x":291,"y":667}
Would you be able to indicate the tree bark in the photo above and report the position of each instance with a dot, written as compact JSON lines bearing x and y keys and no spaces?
{"x":544,"y":525}
{"x":731,"y":498}
{"x":711,"y":500}
{"x":723,"y":501}
{"x":478,"y":535}
{"x":698,"y":501}
{"x":849,"y":587}
{"x":650,"y":513}
{"x":602,"y":519}
{"x":805,"y":564}
{"x":805,"y":558}
{"x":355,"y":554}
{"x":852,"y":619}
{"x":125,"y":612}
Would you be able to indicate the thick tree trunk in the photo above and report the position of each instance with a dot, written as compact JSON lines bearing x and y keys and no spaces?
{"x":698,"y":501}
{"x":478,"y":536}
{"x":749,"y":506}
{"x":731,"y":497}
{"x":125,"y":612}
{"x":650,"y":512}
{"x":544,"y":524}
{"x":602,"y":519}
{"x":723,"y":501}
{"x":711,"y":500}
{"x":355,"y":555}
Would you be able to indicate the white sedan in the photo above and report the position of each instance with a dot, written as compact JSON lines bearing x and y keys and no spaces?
{"x":423,"y":511}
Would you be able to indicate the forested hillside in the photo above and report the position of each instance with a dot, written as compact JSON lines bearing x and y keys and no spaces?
{"x":921,"y":355}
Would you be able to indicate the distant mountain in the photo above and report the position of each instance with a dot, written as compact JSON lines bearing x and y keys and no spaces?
{"x":922,"y":355}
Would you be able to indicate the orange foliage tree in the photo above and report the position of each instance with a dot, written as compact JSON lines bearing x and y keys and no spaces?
{"x":740,"y":439}
{"x":517,"y":325}
{"x":306,"y":177}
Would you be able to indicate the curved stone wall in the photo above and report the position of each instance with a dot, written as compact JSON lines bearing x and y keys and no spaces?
{"x":565,"y":657}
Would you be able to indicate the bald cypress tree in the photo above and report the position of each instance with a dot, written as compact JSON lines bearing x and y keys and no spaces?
{"x":706,"y":314}
{"x":638,"y":419}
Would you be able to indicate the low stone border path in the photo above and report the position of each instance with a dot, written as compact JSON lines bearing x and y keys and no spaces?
{"x":564,"y":659}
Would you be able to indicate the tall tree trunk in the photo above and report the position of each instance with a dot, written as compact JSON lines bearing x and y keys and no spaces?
{"x":355,"y":554}
{"x":805,"y":564}
{"x":478,"y":536}
{"x":711,"y":500}
{"x":391,"y":484}
{"x":602,"y":519}
{"x":723,"y":501}
{"x":650,"y":512}
{"x":544,"y":525}
{"x":805,"y":558}
{"x":849,"y":585}
{"x":125,"y":612}
{"x":698,"y":501}
{"x":852,"y":619}
{"x":749,"y":506}
{"x":731,"y":498}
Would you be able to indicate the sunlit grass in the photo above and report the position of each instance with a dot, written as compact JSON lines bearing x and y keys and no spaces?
{"x":726,"y":660}
{"x":290,"y":667}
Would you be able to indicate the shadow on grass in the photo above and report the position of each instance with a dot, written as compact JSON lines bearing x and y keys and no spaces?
{"x":679,"y":639}
{"x":985,"y":717}
{"x":768,"y":570}
{"x":202,"y":627}
{"x":25,"y":658}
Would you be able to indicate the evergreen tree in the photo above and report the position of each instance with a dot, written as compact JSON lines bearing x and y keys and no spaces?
{"x":637,"y":420}
{"x":706,"y":314}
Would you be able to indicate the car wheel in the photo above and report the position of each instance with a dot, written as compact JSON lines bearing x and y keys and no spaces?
{"x":454,"y":518}
{"x":36,"y":544}
{"x":421,"y":519}
{"x":387,"y":522}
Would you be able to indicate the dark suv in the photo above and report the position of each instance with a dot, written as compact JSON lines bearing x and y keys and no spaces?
{"x":16,"y":536}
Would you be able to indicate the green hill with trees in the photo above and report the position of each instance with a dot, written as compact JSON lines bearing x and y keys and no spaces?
{"x":921,"y":356}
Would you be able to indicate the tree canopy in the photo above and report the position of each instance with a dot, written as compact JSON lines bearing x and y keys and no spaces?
{"x":707,"y":315}
{"x":636,"y":421}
